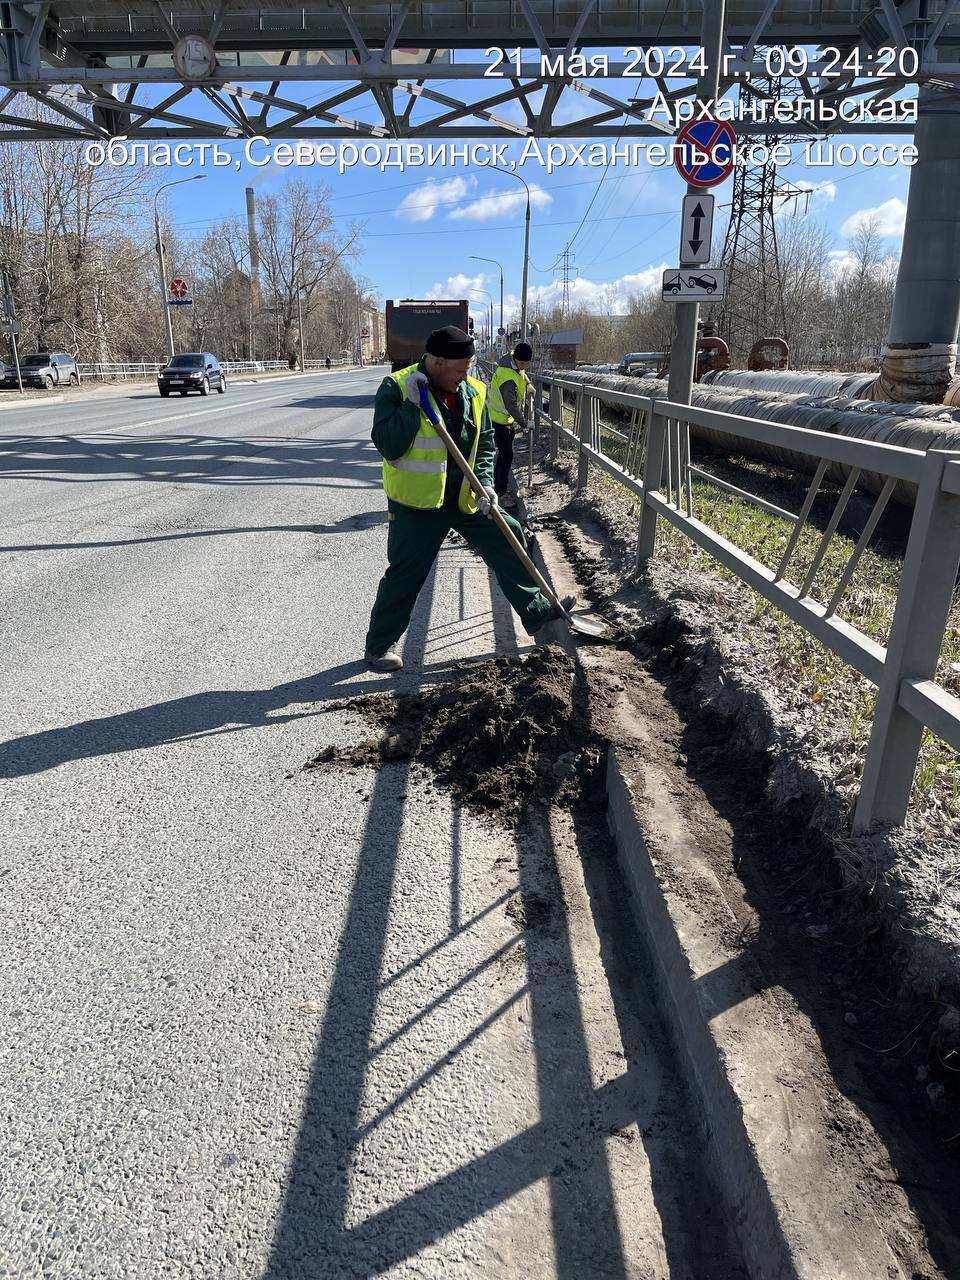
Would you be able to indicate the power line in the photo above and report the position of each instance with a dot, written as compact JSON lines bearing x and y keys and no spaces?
{"x":663,"y":18}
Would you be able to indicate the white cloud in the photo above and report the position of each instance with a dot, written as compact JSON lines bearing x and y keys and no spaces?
{"x":459,"y":286}
{"x":420,"y":206}
{"x":889,"y":218}
{"x":598,"y":295}
{"x":840,"y":261}
{"x":496,"y":203}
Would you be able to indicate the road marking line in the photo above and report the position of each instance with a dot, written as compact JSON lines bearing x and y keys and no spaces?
{"x":179,"y":417}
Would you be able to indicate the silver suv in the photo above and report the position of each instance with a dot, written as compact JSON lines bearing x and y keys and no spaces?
{"x":45,"y":369}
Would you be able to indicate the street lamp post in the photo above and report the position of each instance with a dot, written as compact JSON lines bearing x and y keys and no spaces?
{"x":163,"y":266}
{"x":489,"y":308}
{"x":476,"y":257}
{"x":526,"y":251}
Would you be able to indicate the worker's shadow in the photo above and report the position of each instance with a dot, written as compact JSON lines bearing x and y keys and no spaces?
{"x":219,"y":711}
{"x":197,"y":715}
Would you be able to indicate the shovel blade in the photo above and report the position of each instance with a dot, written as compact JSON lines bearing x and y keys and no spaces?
{"x":586,"y":624}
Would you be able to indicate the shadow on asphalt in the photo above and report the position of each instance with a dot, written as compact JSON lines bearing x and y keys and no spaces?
{"x":333,"y":401}
{"x":219,"y":711}
{"x":190,"y":459}
{"x":350,"y":524}
{"x":583,"y":1106}
{"x":314,"y":1237}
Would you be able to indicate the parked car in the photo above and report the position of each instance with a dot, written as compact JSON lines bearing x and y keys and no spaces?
{"x":192,"y":371}
{"x":44,"y":369}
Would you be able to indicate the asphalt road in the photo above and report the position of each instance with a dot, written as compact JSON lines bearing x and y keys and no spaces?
{"x":258,"y":1023}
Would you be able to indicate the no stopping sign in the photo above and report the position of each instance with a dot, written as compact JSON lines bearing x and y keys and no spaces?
{"x":704,"y":151}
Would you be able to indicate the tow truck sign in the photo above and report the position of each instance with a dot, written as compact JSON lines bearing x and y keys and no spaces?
{"x":694,"y":284}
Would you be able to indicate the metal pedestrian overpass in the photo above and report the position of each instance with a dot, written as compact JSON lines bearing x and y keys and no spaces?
{"x":440,"y":68}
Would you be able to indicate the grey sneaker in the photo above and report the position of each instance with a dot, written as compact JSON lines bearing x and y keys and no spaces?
{"x":388,"y":661}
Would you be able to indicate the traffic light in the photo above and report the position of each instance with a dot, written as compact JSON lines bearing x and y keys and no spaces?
{"x":470,"y":326}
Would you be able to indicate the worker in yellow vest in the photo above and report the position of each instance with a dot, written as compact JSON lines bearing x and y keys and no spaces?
{"x":427,"y":494}
{"x":507,"y":399}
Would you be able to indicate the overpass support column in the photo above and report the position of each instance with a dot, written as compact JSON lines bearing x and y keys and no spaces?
{"x":919,"y":360}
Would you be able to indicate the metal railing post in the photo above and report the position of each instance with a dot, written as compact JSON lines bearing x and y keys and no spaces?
{"x":556,"y":415}
{"x":657,"y":427}
{"x":586,"y":430}
{"x":927,"y":584}
{"x":532,"y":403}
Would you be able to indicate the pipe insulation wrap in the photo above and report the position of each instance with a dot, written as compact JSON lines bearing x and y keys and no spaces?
{"x":921,"y":427}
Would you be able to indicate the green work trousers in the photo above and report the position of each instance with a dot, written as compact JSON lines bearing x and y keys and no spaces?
{"x":414,"y":539}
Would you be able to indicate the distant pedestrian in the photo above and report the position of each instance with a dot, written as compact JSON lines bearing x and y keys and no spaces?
{"x":328,"y":362}
{"x":507,"y":402}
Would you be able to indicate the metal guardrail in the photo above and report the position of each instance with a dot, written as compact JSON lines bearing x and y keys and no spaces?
{"x":148,"y":368}
{"x":656,"y":467}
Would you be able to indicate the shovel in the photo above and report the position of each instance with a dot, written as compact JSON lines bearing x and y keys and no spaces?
{"x":583,"y":623}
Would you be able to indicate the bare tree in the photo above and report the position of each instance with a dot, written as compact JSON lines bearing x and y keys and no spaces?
{"x":300,"y":247}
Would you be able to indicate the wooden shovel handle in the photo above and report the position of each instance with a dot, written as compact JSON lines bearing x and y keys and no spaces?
{"x":495,"y":512}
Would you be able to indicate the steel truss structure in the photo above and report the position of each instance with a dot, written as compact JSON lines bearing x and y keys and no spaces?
{"x":98,"y":70}
{"x":753,"y":305}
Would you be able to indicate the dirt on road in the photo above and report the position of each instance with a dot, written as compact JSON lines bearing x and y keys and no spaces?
{"x":499,"y":735}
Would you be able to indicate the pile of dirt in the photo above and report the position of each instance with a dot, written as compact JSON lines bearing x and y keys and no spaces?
{"x":499,"y":734}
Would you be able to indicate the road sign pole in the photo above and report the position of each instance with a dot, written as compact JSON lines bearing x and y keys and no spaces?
{"x":163,"y":283}
{"x":16,"y":361}
{"x":683,"y":349}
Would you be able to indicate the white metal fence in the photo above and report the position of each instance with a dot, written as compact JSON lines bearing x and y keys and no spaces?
{"x":656,"y":467}
{"x":106,"y":370}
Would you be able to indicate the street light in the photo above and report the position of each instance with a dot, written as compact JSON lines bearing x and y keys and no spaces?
{"x":489,"y":309}
{"x":476,"y":257}
{"x":163,"y":266}
{"x":526,"y":252}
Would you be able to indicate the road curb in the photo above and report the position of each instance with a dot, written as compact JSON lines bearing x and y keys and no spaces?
{"x":732,"y":1157}
{"x":31,"y":403}
{"x":136,"y":386}
{"x":767,"y":1116}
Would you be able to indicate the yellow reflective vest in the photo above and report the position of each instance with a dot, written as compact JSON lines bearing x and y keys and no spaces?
{"x":419,"y":477}
{"x":506,"y":373}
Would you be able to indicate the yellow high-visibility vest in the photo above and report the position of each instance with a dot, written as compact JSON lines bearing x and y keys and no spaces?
{"x":506,"y":373}
{"x":419,"y":477}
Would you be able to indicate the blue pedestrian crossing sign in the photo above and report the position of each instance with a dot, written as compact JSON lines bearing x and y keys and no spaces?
{"x":704,"y":152}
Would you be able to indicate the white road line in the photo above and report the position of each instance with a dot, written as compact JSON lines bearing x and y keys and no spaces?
{"x":179,"y":417}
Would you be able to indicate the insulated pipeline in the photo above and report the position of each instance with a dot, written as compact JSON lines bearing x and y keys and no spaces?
{"x":923,"y":426}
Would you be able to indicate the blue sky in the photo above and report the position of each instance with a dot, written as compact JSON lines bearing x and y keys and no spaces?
{"x":422,"y":225}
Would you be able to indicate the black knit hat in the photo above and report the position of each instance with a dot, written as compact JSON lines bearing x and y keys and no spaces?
{"x":451,"y":343}
{"x":523,"y":351}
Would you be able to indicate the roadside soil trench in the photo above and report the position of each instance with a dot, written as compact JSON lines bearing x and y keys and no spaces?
{"x":798,"y":907}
